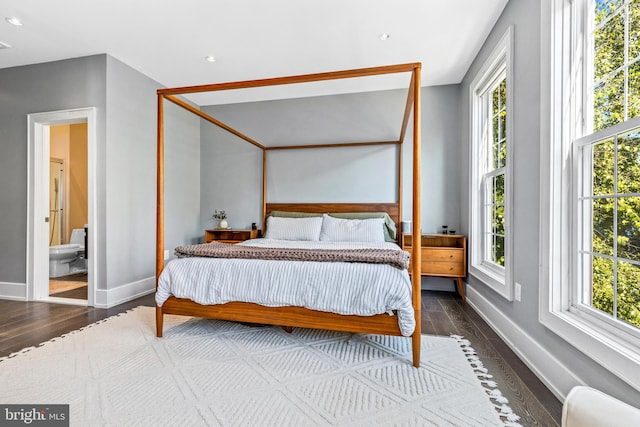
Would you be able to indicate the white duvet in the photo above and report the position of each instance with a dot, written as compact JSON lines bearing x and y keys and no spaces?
{"x":337,"y":287}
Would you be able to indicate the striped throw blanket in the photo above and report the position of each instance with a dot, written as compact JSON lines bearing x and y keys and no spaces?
{"x":395,"y":258}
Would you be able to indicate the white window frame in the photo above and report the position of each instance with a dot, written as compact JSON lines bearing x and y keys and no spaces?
{"x":582,"y":153}
{"x":562,"y":121}
{"x":498,"y":65}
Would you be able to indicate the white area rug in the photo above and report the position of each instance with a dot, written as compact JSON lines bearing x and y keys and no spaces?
{"x":216,"y":373}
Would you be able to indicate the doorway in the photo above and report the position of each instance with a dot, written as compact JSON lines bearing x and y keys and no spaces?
{"x":61,"y":248}
{"x":68,"y":215}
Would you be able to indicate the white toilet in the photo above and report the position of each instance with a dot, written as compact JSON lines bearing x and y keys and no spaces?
{"x":68,"y":259}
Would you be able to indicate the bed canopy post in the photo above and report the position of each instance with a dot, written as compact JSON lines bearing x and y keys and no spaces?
{"x":264,"y":190}
{"x":160,"y":207}
{"x":416,"y":242}
{"x":160,"y":192}
{"x":399,"y":224}
{"x":403,"y":131}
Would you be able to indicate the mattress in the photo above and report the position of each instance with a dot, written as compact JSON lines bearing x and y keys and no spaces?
{"x":361,"y":289}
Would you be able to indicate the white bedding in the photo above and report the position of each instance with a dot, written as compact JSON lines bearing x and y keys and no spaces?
{"x":337,"y":287}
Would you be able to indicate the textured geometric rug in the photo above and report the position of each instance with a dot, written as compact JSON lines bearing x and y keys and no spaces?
{"x":217,"y":373}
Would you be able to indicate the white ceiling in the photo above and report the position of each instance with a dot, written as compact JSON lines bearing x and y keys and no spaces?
{"x":168,"y":40}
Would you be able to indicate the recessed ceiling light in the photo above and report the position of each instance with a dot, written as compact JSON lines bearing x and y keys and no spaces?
{"x":384,"y":36}
{"x":13,"y":21}
{"x":210,"y":58}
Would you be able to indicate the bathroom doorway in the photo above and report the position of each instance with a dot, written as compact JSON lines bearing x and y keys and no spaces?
{"x":61,"y":249}
{"x":68,"y":213}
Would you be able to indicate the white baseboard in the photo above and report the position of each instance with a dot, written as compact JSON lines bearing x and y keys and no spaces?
{"x":554,"y":374}
{"x":106,"y":298}
{"x":13,"y":291}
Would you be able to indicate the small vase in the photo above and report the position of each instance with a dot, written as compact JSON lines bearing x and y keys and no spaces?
{"x":223,"y":223}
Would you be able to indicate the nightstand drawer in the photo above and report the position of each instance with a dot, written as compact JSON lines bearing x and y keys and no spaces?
{"x":230,"y":236}
{"x":442,"y":268}
{"x":441,"y":262}
{"x":442,"y":255}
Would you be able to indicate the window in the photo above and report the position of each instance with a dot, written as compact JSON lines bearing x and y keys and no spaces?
{"x":491,"y":152}
{"x":590,"y":172}
{"x":493,"y":178}
{"x":614,"y":61}
{"x":608,"y":207}
{"x":607,"y":191}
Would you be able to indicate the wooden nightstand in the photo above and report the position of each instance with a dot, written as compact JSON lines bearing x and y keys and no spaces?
{"x":230,"y":235}
{"x":443,"y":255}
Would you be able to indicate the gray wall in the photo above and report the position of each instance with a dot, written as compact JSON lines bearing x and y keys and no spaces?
{"x":231,"y":173}
{"x":131,"y":175}
{"x":442,"y":165}
{"x":130,"y":179}
{"x":525,"y":16}
{"x":29,"y":89}
{"x":182,"y":177}
{"x":126,"y":162}
{"x":131,"y":150}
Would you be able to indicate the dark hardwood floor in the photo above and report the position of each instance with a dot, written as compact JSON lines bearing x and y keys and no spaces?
{"x":77,"y":293}
{"x":444,"y":313}
{"x":26,"y":324}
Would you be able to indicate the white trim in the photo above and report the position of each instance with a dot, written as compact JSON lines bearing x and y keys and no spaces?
{"x":37,"y":255}
{"x":625,"y":333}
{"x":106,"y":298}
{"x":559,"y":124}
{"x":500,"y":60}
{"x":39,"y":185}
{"x":558,"y":377}
{"x":13,"y":291}
{"x":609,"y":132}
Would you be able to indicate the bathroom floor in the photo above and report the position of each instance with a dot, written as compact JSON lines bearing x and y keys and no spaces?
{"x":72,"y":286}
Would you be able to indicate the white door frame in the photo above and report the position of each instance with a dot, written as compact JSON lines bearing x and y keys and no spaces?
{"x":38,"y":201}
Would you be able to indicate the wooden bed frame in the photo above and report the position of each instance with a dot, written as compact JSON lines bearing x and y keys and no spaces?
{"x":298,"y":316}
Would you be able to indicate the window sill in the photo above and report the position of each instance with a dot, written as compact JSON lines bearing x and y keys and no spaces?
{"x":597,"y":340}
{"x":493,"y":280}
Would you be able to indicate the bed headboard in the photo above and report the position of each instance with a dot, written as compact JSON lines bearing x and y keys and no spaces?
{"x":393,"y":209}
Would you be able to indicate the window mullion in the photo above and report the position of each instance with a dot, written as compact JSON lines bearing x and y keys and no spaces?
{"x":486,"y":159}
{"x":615,"y":227}
{"x":582,"y":292}
{"x":495,"y":172}
{"x":625,"y":97}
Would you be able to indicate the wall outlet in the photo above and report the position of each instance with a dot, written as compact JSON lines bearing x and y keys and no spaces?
{"x":166,"y":254}
{"x":518,"y":292}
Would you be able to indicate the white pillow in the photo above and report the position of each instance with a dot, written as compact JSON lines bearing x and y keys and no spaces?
{"x":283,"y":228}
{"x":352,"y":230}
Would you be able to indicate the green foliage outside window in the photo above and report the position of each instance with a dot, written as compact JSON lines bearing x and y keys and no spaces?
{"x":497,"y":218}
{"x":497,"y":163}
{"x":616,"y":210}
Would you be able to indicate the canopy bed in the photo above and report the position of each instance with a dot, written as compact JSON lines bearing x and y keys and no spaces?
{"x":392,"y":320}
